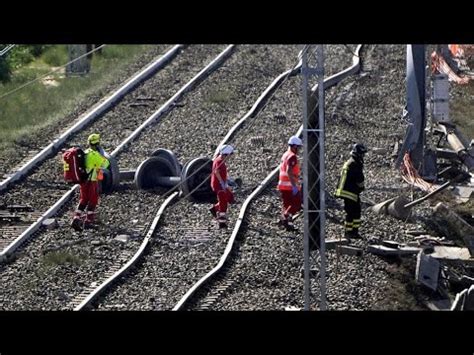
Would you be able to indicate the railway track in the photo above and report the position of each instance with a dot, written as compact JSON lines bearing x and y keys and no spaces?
{"x":135,"y":208}
{"x":264,"y":272}
{"x":179,"y":256}
{"x":45,"y":187}
{"x":192,"y":296}
{"x":34,"y":158}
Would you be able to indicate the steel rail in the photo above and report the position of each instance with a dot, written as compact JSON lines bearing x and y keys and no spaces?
{"x":89,"y":116}
{"x":329,"y":82}
{"x":214,"y":64}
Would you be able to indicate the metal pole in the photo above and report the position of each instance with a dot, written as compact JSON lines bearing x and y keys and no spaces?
{"x":322,"y":249}
{"x":307,"y":281}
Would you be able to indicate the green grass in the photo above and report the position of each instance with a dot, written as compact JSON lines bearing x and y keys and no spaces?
{"x":219,"y":96}
{"x":60,"y":257}
{"x":462,"y":110}
{"x":55,"y":56}
{"x":37,"y":105}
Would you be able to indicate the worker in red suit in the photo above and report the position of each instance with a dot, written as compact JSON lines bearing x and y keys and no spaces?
{"x":288,"y":183}
{"x":219,"y":184}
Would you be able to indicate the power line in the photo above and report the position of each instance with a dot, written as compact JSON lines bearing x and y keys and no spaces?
{"x":298,"y":63}
{"x":49,"y":73}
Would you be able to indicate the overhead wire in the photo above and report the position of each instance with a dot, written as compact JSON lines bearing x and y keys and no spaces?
{"x":51,"y":72}
{"x":248,"y":126}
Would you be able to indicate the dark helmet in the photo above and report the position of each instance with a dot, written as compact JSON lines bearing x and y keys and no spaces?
{"x":358,"y":149}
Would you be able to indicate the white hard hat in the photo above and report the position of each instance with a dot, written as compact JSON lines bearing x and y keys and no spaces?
{"x":295,"y":141}
{"x":226,"y":149}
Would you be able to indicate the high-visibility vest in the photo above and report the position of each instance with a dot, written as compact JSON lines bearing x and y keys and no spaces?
{"x":284,"y":182}
{"x":94,"y":161}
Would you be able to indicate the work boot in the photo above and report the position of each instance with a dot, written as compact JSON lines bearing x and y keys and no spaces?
{"x":356,"y":235}
{"x":76,"y":224}
{"x":222,"y":219}
{"x":352,"y":235}
{"x":90,"y":225}
{"x":90,"y":217}
{"x":213,"y":211}
{"x":287,"y":224}
{"x":77,"y":220}
{"x":290,"y":226}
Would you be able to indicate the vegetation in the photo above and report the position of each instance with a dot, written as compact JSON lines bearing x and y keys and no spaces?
{"x":60,"y":257}
{"x":219,"y":96}
{"x":47,"y":101}
{"x":462,"y":111}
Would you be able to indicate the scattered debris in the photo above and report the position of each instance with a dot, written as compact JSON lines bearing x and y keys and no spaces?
{"x":384,"y":250}
{"x":447,"y":253}
{"x":415,"y":232}
{"x":391,"y":244}
{"x":396,"y":148}
{"x":458,"y":303}
{"x":457,"y":280}
{"x":331,"y":243}
{"x":349,"y":250}
{"x":124,"y":238}
{"x":463,"y":193}
{"x":381,"y":208}
{"x":50,"y":223}
{"x":427,"y":271}
{"x":439,"y":305}
{"x":464,"y":300}
{"x":458,"y":227}
{"x":379,"y":151}
{"x":292,"y":308}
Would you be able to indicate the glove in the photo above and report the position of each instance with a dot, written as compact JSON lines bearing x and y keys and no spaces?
{"x":224,"y":185}
{"x":294,"y":190}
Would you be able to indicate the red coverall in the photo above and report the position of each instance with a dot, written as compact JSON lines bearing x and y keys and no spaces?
{"x":224,"y":196}
{"x":291,"y":203}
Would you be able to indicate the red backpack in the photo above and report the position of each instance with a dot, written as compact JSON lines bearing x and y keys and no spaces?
{"x":74,"y":165}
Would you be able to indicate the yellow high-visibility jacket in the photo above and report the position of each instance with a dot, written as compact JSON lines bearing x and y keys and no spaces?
{"x":94,"y":161}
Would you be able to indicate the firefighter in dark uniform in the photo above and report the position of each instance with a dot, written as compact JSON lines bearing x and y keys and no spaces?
{"x":351,"y":184}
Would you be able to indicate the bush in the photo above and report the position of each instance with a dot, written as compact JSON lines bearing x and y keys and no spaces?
{"x":19,"y":56}
{"x":4,"y":71}
{"x":37,"y":49}
{"x":111,"y":52}
{"x":55,"y":56}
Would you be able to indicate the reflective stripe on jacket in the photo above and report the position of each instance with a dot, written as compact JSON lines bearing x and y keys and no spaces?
{"x":284,"y":182}
{"x":351,"y":182}
{"x":94,"y":161}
